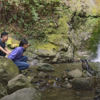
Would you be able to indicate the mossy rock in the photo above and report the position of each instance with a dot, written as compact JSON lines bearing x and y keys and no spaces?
{"x":24,"y":94}
{"x":12,"y":43}
{"x":8,"y":70}
{"x":47,"y":46}
{"x":45,"y":53}
{"x":17,"y":83}
{"x":3,"y":90}
{"x":45,"y":67}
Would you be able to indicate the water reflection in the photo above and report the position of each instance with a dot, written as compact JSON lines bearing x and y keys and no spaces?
{"x":63,"y":94}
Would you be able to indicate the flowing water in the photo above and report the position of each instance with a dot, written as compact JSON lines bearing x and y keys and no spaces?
{"x":97,"y":59}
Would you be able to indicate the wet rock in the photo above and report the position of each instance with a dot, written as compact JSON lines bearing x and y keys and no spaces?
{"x":64,"y":75}
{"x":17,"y":83}
{"x":75,"y":73}
{"x":66,"y":79}
{"x":97,"y":97}
{"x":83,"y":83}
{"x":66,"y":85}
{"x":97,"y":93}
{"x":8,"y":70}
{"x":86,"y":74}
{"x":42,"y":83}
{"x":24,"y":94}
{"x":45,"y":67}
{"x":52,"y":56}
{"x":34,"y":62}
{"x":42,"y":75}
{"x":69,"y":86}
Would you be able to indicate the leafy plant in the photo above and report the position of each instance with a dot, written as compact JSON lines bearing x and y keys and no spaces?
{"x":95,"y":38}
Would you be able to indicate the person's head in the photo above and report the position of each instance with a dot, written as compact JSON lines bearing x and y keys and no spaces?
{"x":4,"y":36}
{"x":24,"y":43}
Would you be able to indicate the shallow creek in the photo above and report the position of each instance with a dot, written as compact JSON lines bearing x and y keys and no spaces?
{"x":57,"y":93}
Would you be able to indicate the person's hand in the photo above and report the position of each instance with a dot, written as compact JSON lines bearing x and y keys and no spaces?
{"x":8,"y":53}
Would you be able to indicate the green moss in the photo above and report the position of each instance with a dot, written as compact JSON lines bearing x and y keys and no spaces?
{"x":12,"y":43}
{"x":63,"y":26}
{"x":56,"y":31}
{"x":55,"y":37}
{"x":49,"y":21}
{"x":95,"y":38}
{"x":47,"y":46}
{"x":42,"y":45}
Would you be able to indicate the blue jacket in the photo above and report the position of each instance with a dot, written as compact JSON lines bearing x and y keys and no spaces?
{"x":16,"y":54}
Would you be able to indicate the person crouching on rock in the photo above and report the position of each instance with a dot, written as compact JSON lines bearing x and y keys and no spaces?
{"x":3,"y":49}
{"x":17,"y":55}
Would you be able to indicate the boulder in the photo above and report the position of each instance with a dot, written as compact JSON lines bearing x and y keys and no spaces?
{"x":24,"y":94}
{"x":42,"y":75}
{"x":75,"y":73}
{"x":3,"y":90}
{"x":83,"y":83}
{"x":33,"y":62}
{"x":45,"y":53}
{"x":66,"y":85}
{"x":45,"y":67}
{"x":8,"y":70}
{"x":17,"y":83}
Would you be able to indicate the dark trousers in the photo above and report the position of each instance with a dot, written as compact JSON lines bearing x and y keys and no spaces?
{"x":22,"y":63}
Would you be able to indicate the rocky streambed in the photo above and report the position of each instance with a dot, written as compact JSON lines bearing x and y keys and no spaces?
{"x":48,"y":82}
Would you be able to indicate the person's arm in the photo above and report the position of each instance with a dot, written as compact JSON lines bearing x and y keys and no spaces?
{"x":7,"y":50}
{"x":3,"y":50}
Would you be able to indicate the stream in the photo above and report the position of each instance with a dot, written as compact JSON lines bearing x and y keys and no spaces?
{"x":70,"y":94}
{"x":63,"y":94}
{"x":58,"y":93}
